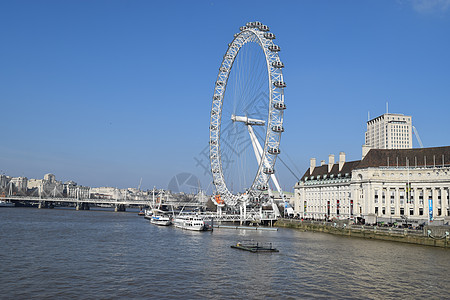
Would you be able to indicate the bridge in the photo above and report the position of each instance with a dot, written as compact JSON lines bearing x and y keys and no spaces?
{"x":267,"y":217}
{"x":84,"y":203}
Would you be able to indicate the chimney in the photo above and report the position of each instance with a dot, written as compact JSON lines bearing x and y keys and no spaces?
{"x":322,"y":162}
{"x":341,"y":160}
{"x":330,"y":162}
{"x":365,"y":150}
{"x":312,"y":165}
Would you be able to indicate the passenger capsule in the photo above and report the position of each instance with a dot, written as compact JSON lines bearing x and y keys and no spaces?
{"x":263,"y":28}
{"x":213,"y":142}
{"x":223,"y":69}
{"x":280,"y":84}
{"x":242,"y":28}
{"x":213,"y":127}
{"x":269,"y":35}
{"x":278,"y":64}
{"x":277,"y":128}
{"x":257,"y":23}
{"x":262,"y":187}
{"x":213,"y":112}
{"x":274,"y":151}
{"x":274,"y":48}
{"x":215,"y":170}
{"x":279,"y":106}
{"x":220,"y":83}
{"x":268,"y":171}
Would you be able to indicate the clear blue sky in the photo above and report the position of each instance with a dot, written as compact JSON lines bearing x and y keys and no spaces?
{"x":107,"y":92}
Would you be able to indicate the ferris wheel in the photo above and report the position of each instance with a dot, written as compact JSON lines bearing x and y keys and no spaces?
{"x":247,"y":116}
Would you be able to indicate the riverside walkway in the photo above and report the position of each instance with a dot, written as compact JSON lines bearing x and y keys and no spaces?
{"x":437,"y":236}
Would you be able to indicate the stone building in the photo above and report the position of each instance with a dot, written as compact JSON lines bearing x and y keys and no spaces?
{"x":13,"y":185}
{"x":387,"y":185}
{"x":47,"y":187}
{"x":72,"y":190}
{"x":19,"y":185}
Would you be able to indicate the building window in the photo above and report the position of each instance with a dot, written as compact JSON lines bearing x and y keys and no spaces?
{"x":383,"y":210}
{"x":392,"y":197}
{"x":402,"y":211}
{"x":411,"y":211}
{"x":421,"y":211}
{"x":351,"y":207}
{"x":392,"y":210}
{"x":337,"y":207}
{"x":376,"y":210}
{"x":439,"y":212}
{"x":376,"y":197}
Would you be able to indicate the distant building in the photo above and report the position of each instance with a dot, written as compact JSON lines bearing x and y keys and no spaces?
{"x":105,"y":193}
{"x":390,"y":185}
{"x":13,"y":185}
{"x":389,"y":131}
{"x":4,"y":180}
{"x":47,"y":187}
{"x":72,"y":190}
{"x":19,"y":185}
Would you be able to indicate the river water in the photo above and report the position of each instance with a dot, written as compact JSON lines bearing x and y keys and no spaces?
{"x":100,"y":254}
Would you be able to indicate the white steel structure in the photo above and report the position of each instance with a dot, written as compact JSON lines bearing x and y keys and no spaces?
{"x":254,"y":103}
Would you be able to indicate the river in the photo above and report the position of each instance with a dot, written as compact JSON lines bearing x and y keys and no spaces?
{"x":101,"y":254}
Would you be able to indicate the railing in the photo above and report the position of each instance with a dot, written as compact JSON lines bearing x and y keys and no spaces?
{"x":206,"y":216}
{"x":251,"y":216}
{"x":75,"y":200}
{"x":435,"y":232}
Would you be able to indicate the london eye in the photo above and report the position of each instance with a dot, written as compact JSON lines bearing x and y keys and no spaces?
{"x":247,"y":118}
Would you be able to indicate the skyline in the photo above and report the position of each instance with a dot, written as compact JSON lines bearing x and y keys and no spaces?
{"x":107,"y":92}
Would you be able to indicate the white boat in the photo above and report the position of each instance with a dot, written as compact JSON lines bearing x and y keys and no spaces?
{"x":4,"y":203}
{"x":191,"y":223}
{"x":161,"y":220}
{"x":148,"y":213}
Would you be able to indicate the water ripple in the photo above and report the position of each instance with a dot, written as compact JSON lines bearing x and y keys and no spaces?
{"x":68,"y":254}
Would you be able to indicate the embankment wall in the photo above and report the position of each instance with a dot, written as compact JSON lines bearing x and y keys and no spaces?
{"x":436,"y":236}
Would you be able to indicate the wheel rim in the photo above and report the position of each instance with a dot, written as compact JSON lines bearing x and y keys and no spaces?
{"x":253,"y":33}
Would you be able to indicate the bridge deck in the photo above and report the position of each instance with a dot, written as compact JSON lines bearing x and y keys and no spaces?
{"x":204,"y":215}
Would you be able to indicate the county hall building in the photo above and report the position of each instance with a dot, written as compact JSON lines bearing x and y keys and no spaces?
{"x":392,"y":184}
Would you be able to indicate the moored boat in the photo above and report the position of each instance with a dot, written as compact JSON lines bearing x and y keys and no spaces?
{"x":161,"y":220}
{"x":148,"y":213}
{"x":4,"y":203}
{"x":190,"y":222}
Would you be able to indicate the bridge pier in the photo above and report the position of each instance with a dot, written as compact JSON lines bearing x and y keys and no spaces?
{"x":82,"y":206}
{"x":119,"y":207}
{"x":42,"y":204}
